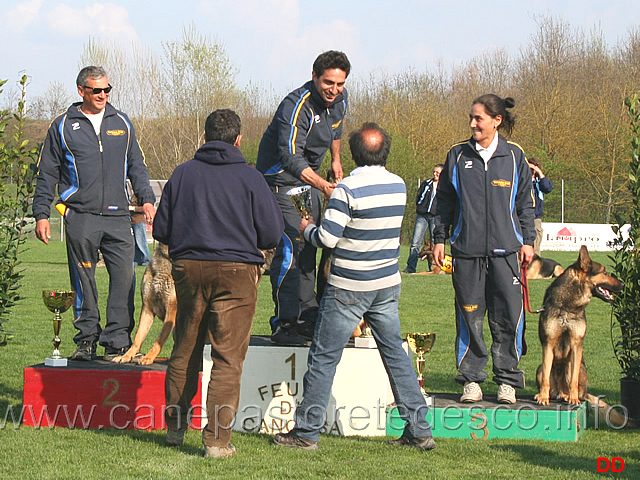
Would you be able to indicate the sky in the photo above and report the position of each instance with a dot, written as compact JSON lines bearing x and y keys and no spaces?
{"x":273,"y":42}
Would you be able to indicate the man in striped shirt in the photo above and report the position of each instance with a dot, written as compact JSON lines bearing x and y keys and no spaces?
{"x":362,"y":224}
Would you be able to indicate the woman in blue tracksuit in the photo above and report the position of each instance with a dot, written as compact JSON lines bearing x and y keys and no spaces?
{"x":485,"y":207}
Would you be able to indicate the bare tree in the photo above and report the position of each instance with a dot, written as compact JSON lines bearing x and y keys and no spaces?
{"x":52,"y":103}
{"x":197,"y":78}
{"x":605,"y":86}
{"x":543,"y":77}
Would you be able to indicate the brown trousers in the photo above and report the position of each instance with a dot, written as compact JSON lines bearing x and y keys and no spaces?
{"x":216,"y":304}
{"x":538,"y":240}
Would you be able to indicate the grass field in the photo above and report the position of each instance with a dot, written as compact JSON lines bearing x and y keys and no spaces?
{"x":426,"y":305}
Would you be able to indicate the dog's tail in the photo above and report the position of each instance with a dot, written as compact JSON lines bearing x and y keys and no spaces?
{"x":611,"y":416}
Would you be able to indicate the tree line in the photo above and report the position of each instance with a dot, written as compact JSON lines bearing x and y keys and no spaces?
{"x":569,"y":87}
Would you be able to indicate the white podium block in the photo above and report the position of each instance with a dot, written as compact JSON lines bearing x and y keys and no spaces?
{"x":272,"y":387}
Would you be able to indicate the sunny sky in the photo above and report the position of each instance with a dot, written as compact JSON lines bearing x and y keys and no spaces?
{"x":274,"y":42}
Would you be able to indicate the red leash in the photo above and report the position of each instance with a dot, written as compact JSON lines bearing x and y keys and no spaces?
{"x":525,"y":290}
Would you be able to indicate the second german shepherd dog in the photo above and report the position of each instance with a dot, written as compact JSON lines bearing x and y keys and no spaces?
{"x":563,"y":325}
{"x":543,"y":268}
{"x":426,"y":253}
{"x":158,"y":300}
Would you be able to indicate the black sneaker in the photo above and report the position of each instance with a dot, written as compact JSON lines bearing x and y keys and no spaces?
{"x":306,"y":329}
{"x":86,"y":351}
{"x":286,"y":335}
{"x":291,"y":440}
{"x":421,"y":443}
{"x":408,"y":271}
{"x":110,"y":354}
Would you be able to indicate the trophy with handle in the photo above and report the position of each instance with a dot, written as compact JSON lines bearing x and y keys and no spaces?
{"x":58,"y":302}
{"x":365,"y":340}
{"x":301,"y":199}
{"x":421,"y":343}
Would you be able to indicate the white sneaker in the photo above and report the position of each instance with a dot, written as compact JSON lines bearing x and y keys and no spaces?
{"x":471,"y":393}
{"x":506,"y":394}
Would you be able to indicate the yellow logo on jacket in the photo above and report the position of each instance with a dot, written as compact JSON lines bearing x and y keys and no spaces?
{"x":115,"y":133}
{"x":470,"y":308}
{"x":501,"y":183}
{"x":336,"y":125}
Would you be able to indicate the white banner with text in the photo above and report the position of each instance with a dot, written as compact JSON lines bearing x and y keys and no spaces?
{"x":569,"y":237}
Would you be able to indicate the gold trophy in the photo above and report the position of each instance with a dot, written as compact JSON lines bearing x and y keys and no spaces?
{"x":57,"y":301}
{"x":421,"y":343}
{"x":301,"y":199}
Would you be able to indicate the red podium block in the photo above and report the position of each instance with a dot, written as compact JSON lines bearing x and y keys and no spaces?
{"x":100,"y":394}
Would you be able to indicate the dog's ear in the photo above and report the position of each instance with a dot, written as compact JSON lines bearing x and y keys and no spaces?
{"x":584,"y":260}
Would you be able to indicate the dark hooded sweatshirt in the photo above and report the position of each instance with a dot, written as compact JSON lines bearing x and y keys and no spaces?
{"x":217,"y":208}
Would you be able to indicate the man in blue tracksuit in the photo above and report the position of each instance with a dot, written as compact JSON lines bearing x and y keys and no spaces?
{"x":307,"y":124}
{"x":426,"y":207}
{"x":88,"y":154}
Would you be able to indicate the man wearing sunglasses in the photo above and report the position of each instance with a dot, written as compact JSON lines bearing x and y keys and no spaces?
{"x":89,"y":153}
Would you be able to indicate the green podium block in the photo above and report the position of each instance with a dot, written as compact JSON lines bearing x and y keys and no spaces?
{"x":489,"y":419}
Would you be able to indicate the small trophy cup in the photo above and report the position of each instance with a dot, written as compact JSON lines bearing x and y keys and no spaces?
{"x":365,"y":340}
{"x":57,"y":301}
{"x":301,"y":199}
{"x":421,"y":343}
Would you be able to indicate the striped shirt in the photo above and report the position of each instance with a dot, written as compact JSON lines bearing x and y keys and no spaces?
{"x":362,"y":224}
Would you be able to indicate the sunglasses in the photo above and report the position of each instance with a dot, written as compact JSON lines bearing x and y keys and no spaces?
{"x":97,"y":91}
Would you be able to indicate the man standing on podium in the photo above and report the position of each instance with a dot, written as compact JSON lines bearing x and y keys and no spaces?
{"x":362,"y":224}
{"x":307,"y":124}
{"x":89,"y":153}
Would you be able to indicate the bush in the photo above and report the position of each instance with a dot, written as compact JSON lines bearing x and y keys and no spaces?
{"x":17,"y":183}
{"x":625,"y":319}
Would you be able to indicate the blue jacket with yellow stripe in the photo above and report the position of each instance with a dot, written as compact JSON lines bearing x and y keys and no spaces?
{"x":91,"y":170}
{"x":485,"y":211}
{"x":301,"y":132}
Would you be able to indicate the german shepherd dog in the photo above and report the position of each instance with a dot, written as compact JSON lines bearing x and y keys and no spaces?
{"x":563,"y":325}
{"x":426,"y":253}
{"x":543,"y":268}
{"x":158,"y":300}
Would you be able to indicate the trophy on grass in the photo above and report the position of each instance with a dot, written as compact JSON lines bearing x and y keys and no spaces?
{"x":301,"y":199}
{"x":421,"y":343}
{"x":58,"y":302}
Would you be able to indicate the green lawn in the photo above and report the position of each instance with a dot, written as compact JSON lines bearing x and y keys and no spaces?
{"x":426,"y":305}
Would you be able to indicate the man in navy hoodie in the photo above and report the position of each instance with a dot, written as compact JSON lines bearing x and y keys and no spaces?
{"x":216,"y":214}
